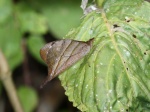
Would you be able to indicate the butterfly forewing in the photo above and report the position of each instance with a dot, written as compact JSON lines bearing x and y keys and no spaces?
{"x":74,"y":54}
{"x":56,"y":52}
{"x":67,"y":53}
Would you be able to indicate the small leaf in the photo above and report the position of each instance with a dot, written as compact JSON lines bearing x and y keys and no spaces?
{"x":35,"y":43}
{"x":28,"y":98}
{"x":115,"y":75}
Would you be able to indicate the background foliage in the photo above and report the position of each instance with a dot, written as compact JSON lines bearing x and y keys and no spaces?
{"x":24,"y":25}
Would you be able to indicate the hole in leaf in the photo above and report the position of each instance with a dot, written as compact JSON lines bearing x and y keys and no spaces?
{"x":127,"y":110}
{"x":134,"y":36}
{"x":127,"y":20}
{"x":145,"y":53}
{"x":115,"y":26}
{"x":127,"y":68}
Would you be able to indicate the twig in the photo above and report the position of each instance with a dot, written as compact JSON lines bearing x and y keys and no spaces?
{"x":5,"y":76}
{"x":26,"y":72}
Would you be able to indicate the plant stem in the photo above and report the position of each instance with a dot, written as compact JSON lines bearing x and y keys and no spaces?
{"x":99,"y":3}
{"x":26,"y":72}
{"x":5,"y":76}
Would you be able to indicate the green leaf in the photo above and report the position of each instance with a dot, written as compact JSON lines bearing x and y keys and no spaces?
{"x":30,"y":20}
{"x":10,"y":42}
{"x":115,"y":75}
{"x":61,"y":15}
{"x":35,"y":43}
{"x":28,"y":98}
{"x":5,"y":10}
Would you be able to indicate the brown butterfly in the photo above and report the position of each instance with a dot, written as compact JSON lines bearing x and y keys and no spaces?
{"x":60,"y":55}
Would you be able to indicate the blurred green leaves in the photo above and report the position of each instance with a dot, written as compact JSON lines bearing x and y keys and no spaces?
{"x":5,"y":10}
{"x":28,"y":98}
{"x":35,"y":17}
{"x":26,"y":21}
{"x":67,"y":14}
{"x":30,"y":20}
{"x":62,"y":15}
{"x":10,"y":42}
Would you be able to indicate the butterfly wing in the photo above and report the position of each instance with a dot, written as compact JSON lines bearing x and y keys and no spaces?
{"x":60,"y":55}
{"x":72,"y":54}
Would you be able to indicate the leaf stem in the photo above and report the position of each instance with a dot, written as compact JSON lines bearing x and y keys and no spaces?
{"x":99,"y":3}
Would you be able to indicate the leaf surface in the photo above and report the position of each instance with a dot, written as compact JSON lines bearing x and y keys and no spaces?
{"x":115,"y":75}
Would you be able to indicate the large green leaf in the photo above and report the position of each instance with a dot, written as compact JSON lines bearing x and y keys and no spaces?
{"x":10,"y":42}
{"x":115,"y":75}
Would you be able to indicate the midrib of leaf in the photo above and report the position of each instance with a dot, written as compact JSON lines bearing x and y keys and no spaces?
{"x":115,"y":44}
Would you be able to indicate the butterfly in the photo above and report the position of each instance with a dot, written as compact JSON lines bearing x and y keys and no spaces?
{"x":60,"y":55}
